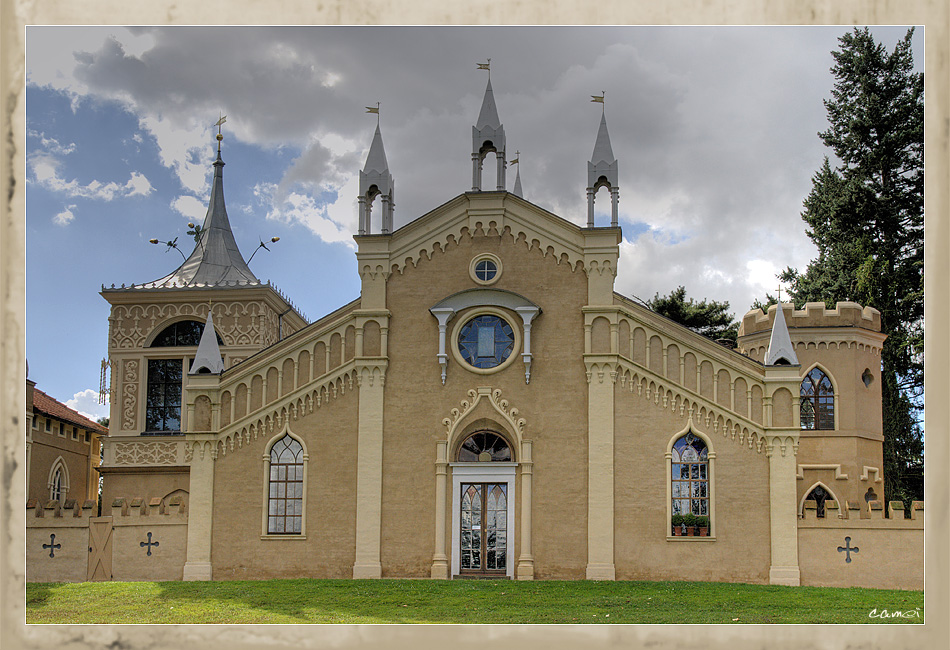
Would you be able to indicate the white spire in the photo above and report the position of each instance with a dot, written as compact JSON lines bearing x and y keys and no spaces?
{"x":780,"y":343}
{"x":602,"y":172}
{"x":488,"y":135}
{"x":208,"y":356}
{"x":603,"y":153}
{"x":488,"y":116}
{"x":376,"y":159}
{"x":375,"y":180}
{"x":517,"y":191}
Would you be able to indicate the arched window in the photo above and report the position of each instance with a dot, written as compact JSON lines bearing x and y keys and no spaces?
{"x":182,"y":333}
{"x":817,"y":401}
{"x":285,"y":487}
{"x":56,"y":490}
{"x":690,"y":476}
{"x":484,"y":446}
{"x":819,"y":495}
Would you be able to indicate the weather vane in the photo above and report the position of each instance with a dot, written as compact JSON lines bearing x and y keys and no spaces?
{"x":517,"y":157}
{"x":372,"y":109}
{"x":219,"y":137}
{"x":485,"y":66}
{"x":599,"y":99}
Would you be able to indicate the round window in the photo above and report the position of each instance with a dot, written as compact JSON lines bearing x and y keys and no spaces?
{"x":485,"y":268}
{"x":486,"y":341}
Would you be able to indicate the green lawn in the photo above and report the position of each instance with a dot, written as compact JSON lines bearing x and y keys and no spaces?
{"x":458,"y":601}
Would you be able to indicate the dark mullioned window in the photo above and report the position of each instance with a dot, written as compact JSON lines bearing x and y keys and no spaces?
{"x":690,"y":476}
{"x":182,"y":333}
{"x":285,"y":492}
{"x":817,"y":401}
{"x":163,"y":399}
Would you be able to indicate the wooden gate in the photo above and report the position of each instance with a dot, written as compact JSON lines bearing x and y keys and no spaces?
{"x":100,"y":549}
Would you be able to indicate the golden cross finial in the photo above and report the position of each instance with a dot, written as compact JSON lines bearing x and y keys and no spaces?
{"x":779,"y":293}
{"x":221,"y":120}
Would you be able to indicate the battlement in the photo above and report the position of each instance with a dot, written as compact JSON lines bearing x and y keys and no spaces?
{"x":866,"y":515}
{"x":70,"y":510}
{"x":815,"y":314}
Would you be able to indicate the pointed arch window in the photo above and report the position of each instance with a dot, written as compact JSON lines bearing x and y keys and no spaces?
{"x":690,"y":476}
{"x":819,"y":495}
{"x":817,"y":401}
{"x":285,"y":487}
{"x":182,"y":333}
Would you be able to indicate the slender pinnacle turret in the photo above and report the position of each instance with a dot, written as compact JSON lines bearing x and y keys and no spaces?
{"x":602,"y":172}
{"x":375,"y":180}
{"x":488,"y":135}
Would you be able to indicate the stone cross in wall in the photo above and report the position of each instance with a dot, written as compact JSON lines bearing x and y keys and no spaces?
{"x":51,"y":546}
{"x":150,"y":544}
{"x":848,"y":549}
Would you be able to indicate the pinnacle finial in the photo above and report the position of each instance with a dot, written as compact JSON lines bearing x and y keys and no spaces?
{"x":221,"y":120}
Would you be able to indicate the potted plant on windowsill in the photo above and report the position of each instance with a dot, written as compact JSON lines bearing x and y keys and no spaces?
{"x":690,"y":521}
{"x":677,"y":521}
{"x":702,"y":522}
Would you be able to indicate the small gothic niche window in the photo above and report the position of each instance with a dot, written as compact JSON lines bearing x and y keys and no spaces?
{"x":486,"y":341}
{"x":690,"y":476}
{"x":182,"y":333}
{"x":56,"y":490}
{"x":285,"y":492}
{"x":870,"y":495}
{"x":484,"y":446}
{"x":867,"y":377}
{"x":819,"y":495}
{"x":817,"y":401}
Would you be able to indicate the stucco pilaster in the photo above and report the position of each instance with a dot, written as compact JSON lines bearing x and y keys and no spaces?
{"x":440,"y":561}
{"x":525,"y":569}
{"x":200,"y":510}
{"x":602,"y":374}
{"x":369,"y":472}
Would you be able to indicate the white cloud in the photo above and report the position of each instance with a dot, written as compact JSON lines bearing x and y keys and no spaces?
{"x":65,"y":217}
{"x":45,"y":169}
{"x":190,"y":207}
{"x":86,"y":402}
{"x":332,"y":223}
{"x":182,"y":147}
{"x":138,"y":184}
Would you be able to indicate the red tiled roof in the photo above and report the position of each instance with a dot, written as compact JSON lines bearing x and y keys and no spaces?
{"x":46,"y":404}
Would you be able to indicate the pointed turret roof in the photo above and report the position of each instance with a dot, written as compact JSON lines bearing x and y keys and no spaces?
{"x":376,"y":159}
{"x":216,"y":259}
{"x":780,"y":343}
{"x":488,"y":116}
{"x":602,"y":149}
{"x":517,"y":191}
{"x":208,"y":356}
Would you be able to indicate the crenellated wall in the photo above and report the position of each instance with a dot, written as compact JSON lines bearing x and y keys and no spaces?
{"x":884,"y":553}
{"x":138,"y":540}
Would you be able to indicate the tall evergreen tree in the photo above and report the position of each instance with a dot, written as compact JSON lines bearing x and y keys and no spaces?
{"x":707,"y":317}
{"x":865,"y":214}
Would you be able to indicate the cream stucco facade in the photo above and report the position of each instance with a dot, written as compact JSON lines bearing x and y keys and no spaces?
{"x":489,"y":405}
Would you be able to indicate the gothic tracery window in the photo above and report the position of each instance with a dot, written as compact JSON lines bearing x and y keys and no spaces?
{"x":819,"y":495}
{"x":817,"y":401}
{"x":484,"y":446}
{"x":690,"y":476}
{"x":285,"y":487}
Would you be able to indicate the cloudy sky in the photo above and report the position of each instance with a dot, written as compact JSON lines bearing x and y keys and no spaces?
{"x":715,"y":130}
